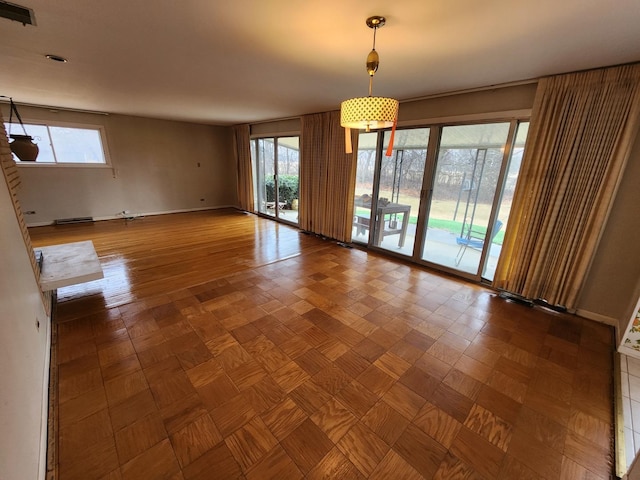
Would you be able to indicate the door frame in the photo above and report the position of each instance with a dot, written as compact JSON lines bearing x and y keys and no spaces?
{"x":255,"y":165}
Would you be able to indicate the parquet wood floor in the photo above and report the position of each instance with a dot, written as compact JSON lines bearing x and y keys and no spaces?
{"x":222,"y":345}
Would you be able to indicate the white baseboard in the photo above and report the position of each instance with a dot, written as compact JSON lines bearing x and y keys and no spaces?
{"x":598,"y":317}
{"x":39,"y":224}
{"x":163,"y":212}
{"x":141,"y":214}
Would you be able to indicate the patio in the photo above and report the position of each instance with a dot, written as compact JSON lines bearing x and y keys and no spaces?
{"x":441,"y":249}
{"x":286,"y":215}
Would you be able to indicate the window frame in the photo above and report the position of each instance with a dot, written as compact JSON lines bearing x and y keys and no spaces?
{"x":58,"y":164}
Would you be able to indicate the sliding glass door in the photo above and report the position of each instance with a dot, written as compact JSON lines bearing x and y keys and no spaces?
{"x":386,"y":216}
{"x":264,"y":175}
{"x":276,"y":166}
{"x":464,"y":184}
{"x":399,"y":188}
{"x":365,"y":179}
{"x":444,"y":205}
{"x":506,"y":197}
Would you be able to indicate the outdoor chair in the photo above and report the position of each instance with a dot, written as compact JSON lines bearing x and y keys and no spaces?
{"x":474,"y":239}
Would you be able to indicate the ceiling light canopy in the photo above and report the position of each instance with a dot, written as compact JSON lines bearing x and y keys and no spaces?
{"x":56,"y":58}
{"x":370,"y":112}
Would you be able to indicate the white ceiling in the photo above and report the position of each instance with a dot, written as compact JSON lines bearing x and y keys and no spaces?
{"x":226,"y":62}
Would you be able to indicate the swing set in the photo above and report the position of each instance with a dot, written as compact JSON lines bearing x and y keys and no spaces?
{"x":472,"y":236}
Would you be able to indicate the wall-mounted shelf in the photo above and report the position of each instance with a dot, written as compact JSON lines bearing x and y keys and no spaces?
{"x":69,"y":264}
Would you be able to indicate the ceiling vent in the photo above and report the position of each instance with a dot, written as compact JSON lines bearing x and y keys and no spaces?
{"x":17,"y":13}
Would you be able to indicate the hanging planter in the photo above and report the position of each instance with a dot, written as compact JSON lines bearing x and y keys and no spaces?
{"x":22,"y":146}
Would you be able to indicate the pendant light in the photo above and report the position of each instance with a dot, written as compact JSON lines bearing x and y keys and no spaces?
{"x":369,"y":112}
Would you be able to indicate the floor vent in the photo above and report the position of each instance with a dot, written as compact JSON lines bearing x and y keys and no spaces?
{"x":65,"y":221}
{"x":17,"y":13}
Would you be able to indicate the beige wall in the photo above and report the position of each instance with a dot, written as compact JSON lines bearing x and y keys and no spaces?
{"x":159,"y":166}
{"x":277,"y":128}
{"x":481,"y":104}
{"x":472,"y":105}
{"x":613,"y":286}
{"x":24,"y":351}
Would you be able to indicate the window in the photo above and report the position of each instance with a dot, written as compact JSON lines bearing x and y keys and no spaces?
{"x":61,"y":144}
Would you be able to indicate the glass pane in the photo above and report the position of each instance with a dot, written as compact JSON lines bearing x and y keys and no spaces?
{"x":464,"y":186}
{"x":504,"y":208}
{"x":255,"y":174}
{"x":288,"y":177}
{"x":40,"y":138}
{"x":77,"y":145}
{"x":400,"y":184}
{"x":365,"y":172}
{"x":265,"y":173}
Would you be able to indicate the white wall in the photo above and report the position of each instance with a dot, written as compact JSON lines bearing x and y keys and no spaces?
{"x":24,"y":353}
{"x":155,"y":170}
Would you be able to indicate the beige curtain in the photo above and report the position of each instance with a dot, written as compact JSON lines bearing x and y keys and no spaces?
{"x":243,"y":162}
{"x":327,"y":177}
{"x":582,"y":128}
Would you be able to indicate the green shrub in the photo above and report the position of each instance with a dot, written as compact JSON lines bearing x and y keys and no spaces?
{"x":287,"y":189}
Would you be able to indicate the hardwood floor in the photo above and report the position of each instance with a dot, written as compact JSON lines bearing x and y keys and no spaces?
{"x":222,"y":345}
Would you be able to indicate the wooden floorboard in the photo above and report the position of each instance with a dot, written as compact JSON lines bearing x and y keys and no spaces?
{"x":223,"y":345}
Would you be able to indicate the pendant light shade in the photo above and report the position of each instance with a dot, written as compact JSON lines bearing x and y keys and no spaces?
{"x":370,"y":112}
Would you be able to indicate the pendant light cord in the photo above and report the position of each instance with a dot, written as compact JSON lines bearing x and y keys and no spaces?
{"x":375,"y":29}
{"x":373,"y":49}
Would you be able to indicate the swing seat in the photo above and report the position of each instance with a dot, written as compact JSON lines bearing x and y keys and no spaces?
{"x":474,"y":239}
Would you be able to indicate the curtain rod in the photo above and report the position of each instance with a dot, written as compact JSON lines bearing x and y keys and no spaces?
{"x":471,"y":90}
{"x":53,"y":109}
